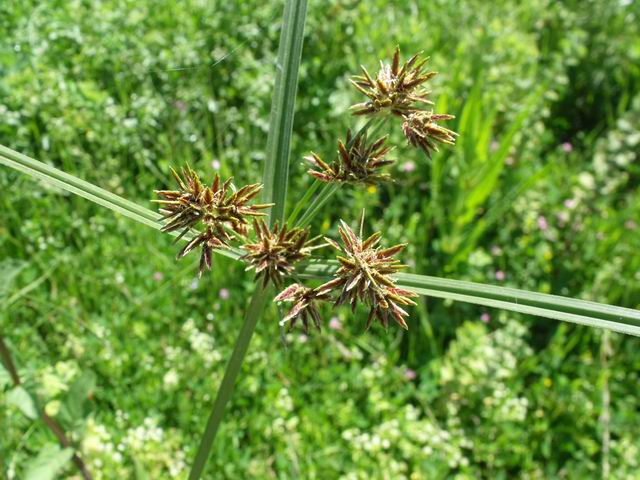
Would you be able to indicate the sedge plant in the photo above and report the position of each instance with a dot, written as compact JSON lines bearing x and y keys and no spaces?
{"x":292,"y":266}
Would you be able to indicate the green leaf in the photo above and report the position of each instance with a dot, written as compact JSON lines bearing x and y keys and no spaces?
{"x":5,"y":377}
{"x":275,"y":191}
{"x":276,"y":172}
{"x":20,"y":398}
{"x":9,"y":270}
{"x":48,"y":463}
{"x":582,"y":312}
{"x":75,"y":404}
{"x":84,"y":189}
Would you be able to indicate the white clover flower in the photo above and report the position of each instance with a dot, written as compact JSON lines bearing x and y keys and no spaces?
{"x":170,"y":379}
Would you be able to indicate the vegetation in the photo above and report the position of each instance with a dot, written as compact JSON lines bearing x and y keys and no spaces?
{"x":122,"y":349}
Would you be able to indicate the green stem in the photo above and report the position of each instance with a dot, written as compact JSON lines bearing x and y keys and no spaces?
{"x":305,"y":199}
{"x":251,"y":318}
{"x":275,"y":179}
{"x":327,"y":191}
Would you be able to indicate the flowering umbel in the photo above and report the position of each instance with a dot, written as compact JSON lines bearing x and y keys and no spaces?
{"x":275,"y":251}
{"x":358,"y":161}
{"x":422,"y":131}
{"x":219,"y":208}
{"x":395,"y":88}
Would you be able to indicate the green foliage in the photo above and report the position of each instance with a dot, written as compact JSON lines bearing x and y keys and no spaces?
{"x":88,"y":87}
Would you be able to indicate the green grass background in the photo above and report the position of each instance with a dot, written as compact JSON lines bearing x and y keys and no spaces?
{"x":127,"y":348}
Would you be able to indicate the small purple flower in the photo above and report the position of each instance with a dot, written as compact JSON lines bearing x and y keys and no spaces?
{"x":215,"y":164}
{"x":494,"y":146}
{"x":194,"y":284}
{"x":334,"y":324}
{"x":566,"y":147}
{"x":410,"y":374}
{"x":302,"y":338}
{"x":408,"y":166}
{"x":630,"y":225}
{"x":496,"y":250}
{"x":224,"y":293}
{"x":542,"y":223}
{"x":571,"y":203}
{"x":509,"y":161}
{"x":500,"y":275}
{"x":485,"y":317}
{"x":158,"y":276}
{"x":180,"y":105}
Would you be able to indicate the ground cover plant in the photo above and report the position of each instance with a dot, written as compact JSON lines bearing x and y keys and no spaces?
{"x":110,"y":341}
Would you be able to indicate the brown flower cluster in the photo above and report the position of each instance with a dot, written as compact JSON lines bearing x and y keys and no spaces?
{"x":400,"y":90}
{"x":364,"y":276}
{"x":359,"y":161}
{"x":275,"y":251}
{"x":217,"y":208}
{"x":305,"y":305}
{"x":422,"y":131}
{"x":395,"y":88}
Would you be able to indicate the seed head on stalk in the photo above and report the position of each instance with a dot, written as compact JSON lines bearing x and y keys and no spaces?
{"x":358,"y":161}
{"x":422,"y":131}
{"x":219,"y":208}
{"x":275,"y":251}
{"x":395,"y":89}
{"x":305,"y":306}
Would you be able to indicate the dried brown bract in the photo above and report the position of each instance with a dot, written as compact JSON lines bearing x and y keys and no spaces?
{"x":365,"y":276}
{"x":275,"y":251}
{"x":422,"y":131}
{"x":219,"y":208}
{"x":305,"y":306}
{"x":395,"y":89}
{"x":358,"y":161}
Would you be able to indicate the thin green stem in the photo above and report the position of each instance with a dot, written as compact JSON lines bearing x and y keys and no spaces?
{"x":225,"y":390}
{"x":275,"y":180}
{"x":303,"y":201}
{"x":327,"y":191}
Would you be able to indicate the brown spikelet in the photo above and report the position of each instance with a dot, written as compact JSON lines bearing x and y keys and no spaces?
{"x":214,"y":207}
{"x":274,"y":252}
{"x":358,"y":161}
{"x":396,"y":88}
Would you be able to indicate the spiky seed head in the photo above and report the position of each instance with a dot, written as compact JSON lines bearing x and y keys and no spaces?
{"x":358,"y":161}
{"x":422,"y":131}
{"x":365,"y":276}
{"x":275,"y":251}
{"x":395,"y":89}
{"x":217,"y":208}
{"x":304,"y":308}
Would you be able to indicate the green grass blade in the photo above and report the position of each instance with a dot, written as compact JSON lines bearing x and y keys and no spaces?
{"x":550,"y":306}
{"x":304,"y":201}
{"x":275,"y":181}
{"x":583,"y":312}
{"x":226,"y":387}
{"x":276,"y":170}
{"x":69,"y":182}
{"x":84,"y":189}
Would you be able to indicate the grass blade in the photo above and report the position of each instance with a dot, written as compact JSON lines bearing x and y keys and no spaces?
{"x":84,"y":189}
{"x":550,"y":306}
{"x":583,"y":312}
{"x":73,"y":184}
{"x":276,"y":171}
{"x":275,"y":180}
{"x":228,"y":381}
